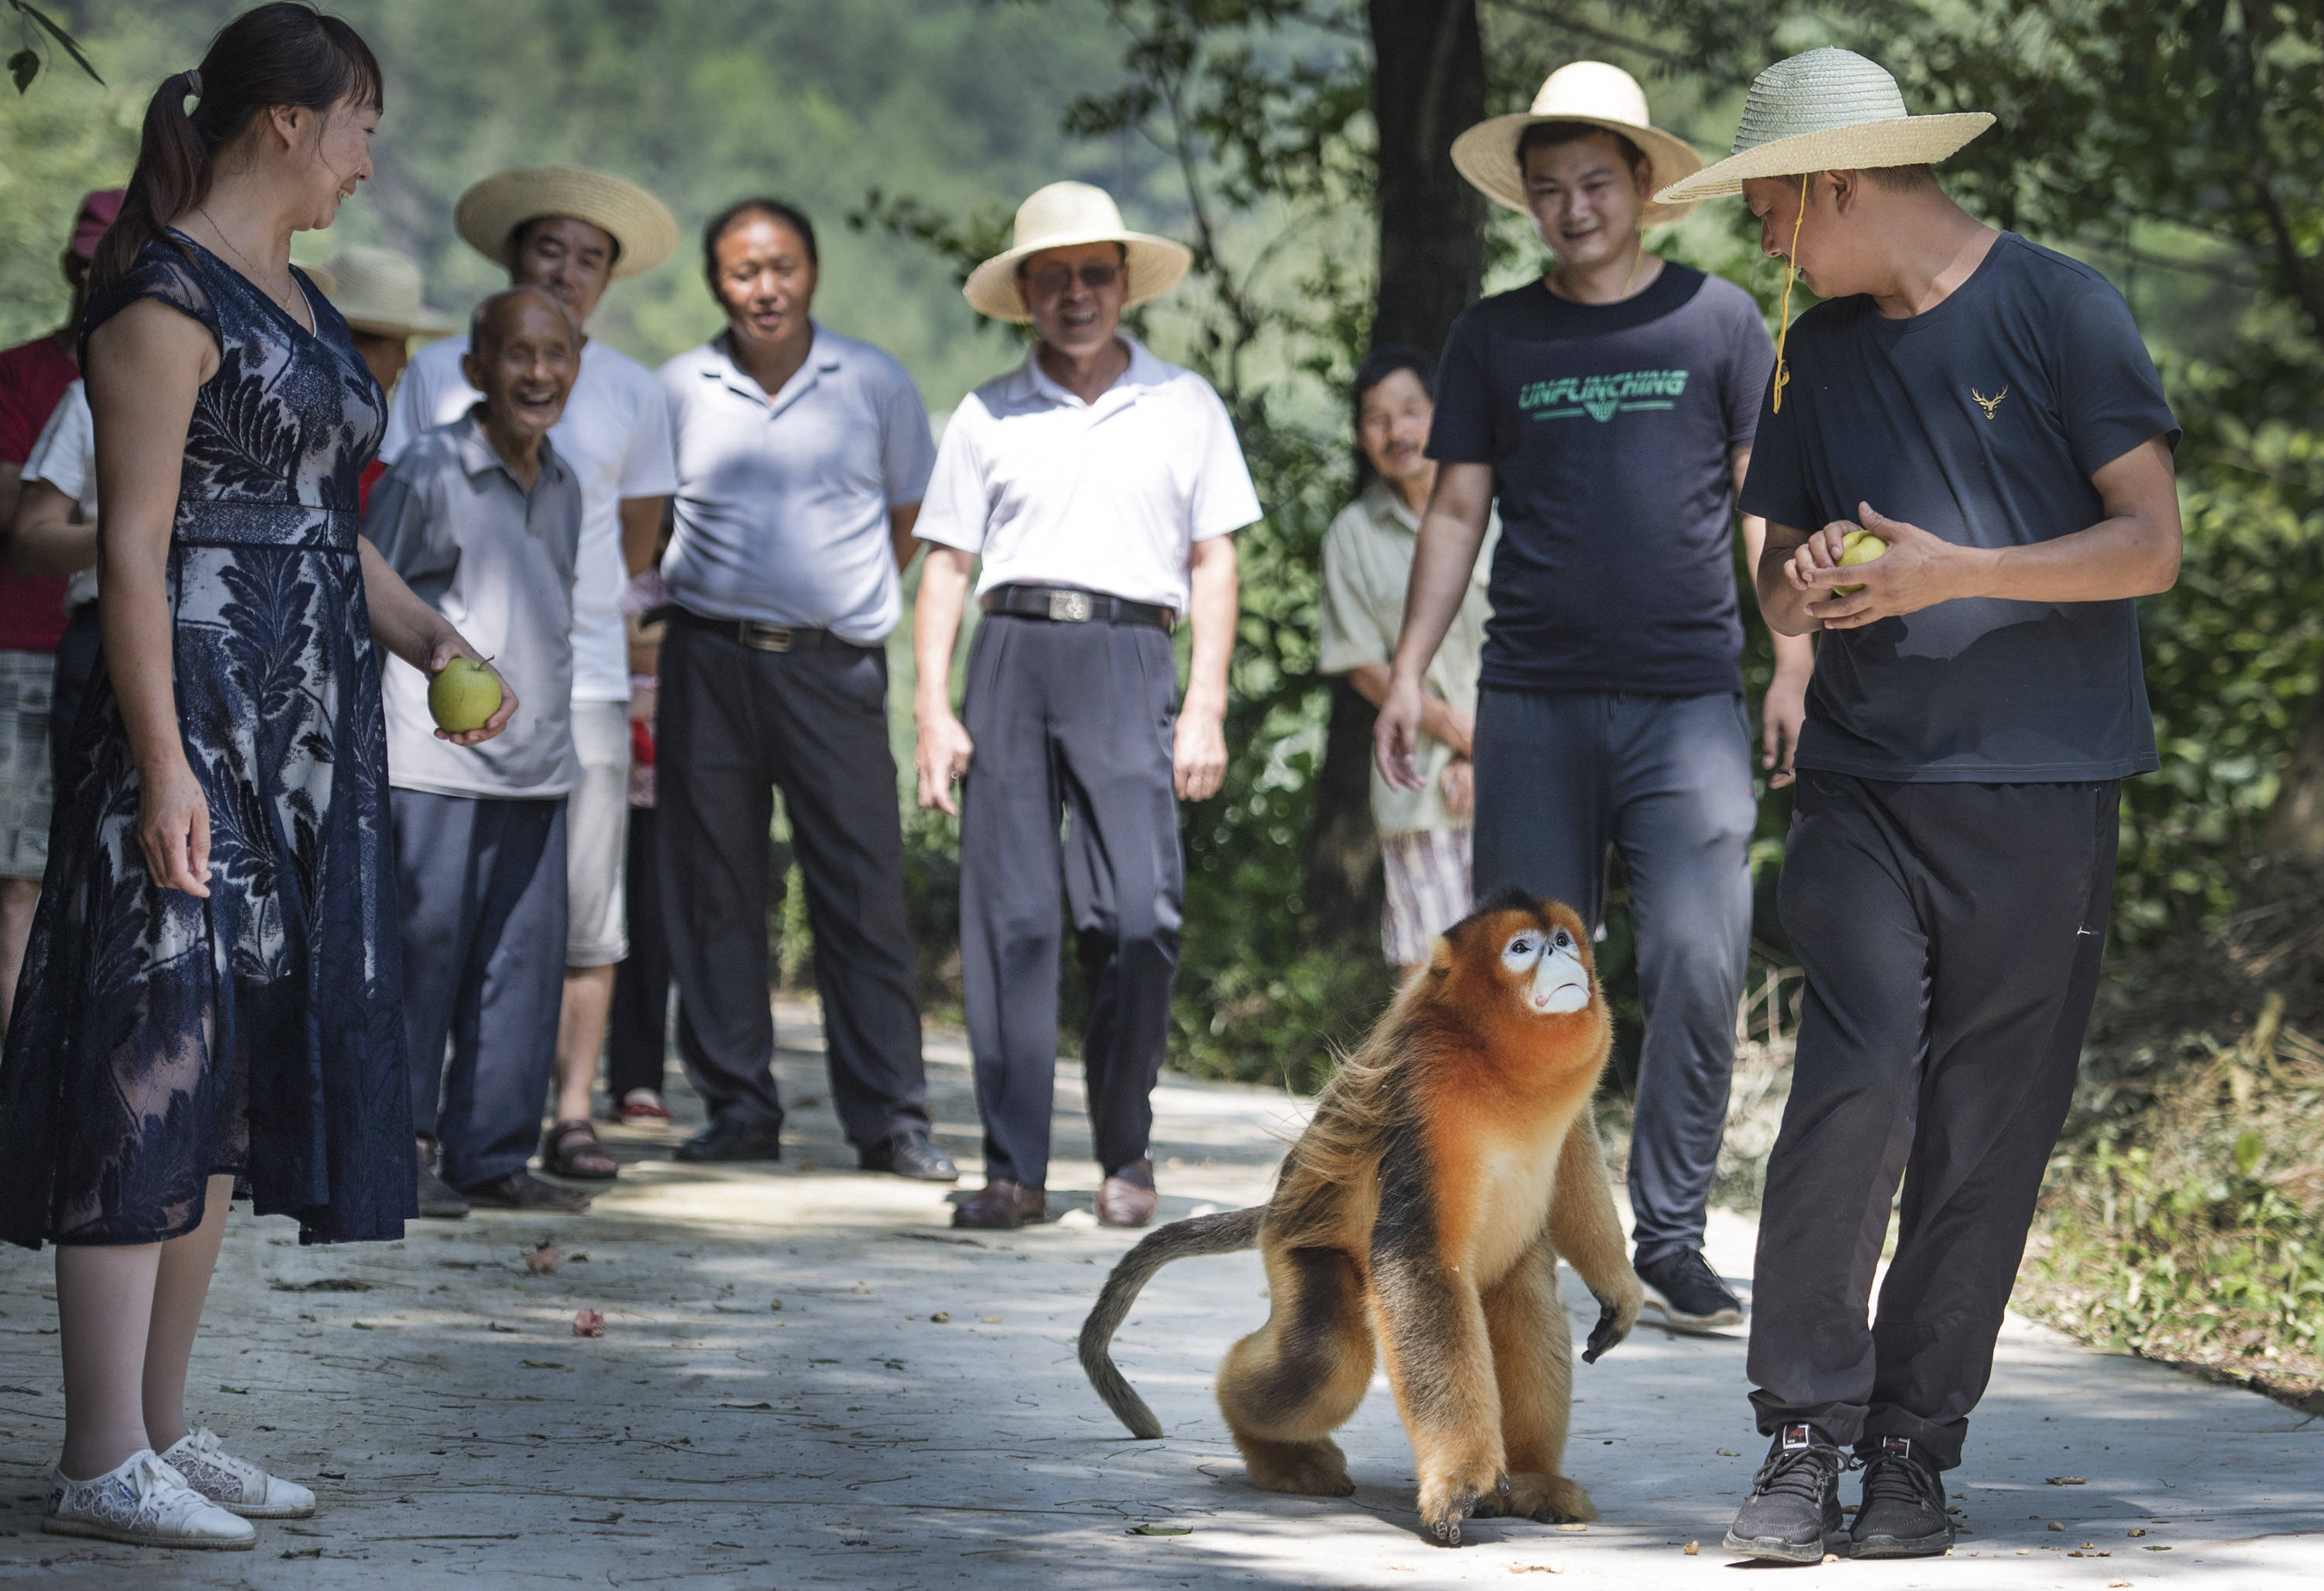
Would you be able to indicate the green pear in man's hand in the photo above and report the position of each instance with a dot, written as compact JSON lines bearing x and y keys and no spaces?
{"x":1858,"y":547}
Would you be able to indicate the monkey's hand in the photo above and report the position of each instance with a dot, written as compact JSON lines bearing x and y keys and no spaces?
{"x":1616,"y":1316}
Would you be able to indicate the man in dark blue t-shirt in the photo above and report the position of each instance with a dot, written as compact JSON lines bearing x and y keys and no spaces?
{"x":1610,"y":408}
{"x":1984,"y":409}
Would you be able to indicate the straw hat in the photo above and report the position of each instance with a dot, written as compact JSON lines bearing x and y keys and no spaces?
{"x":1059,"y":216}
{"x":640,"y":225}
{"x":1586,"y":91}
{"x":1828,"y":110}
{"x":377,"y":291}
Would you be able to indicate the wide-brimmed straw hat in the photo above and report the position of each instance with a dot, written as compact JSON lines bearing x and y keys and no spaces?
{"x":377,"y":291}
{"x":641,"y":225}
{"x":1586,"y":91}
{"x":1828,"y":110}
{"x":1063,"y":215}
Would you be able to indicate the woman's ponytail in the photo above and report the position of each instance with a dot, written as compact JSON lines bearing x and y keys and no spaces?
{"x":172,"y":176}
{"x":281,"y":54}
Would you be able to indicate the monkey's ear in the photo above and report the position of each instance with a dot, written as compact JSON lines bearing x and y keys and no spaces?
{"x":1440,"y":955}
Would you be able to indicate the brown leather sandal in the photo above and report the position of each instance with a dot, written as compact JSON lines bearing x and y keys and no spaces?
{"x":570,"y":1149}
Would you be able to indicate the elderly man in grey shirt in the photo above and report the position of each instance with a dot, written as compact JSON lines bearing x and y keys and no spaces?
{"x":483,"y":518}
{"x":802,"y":455}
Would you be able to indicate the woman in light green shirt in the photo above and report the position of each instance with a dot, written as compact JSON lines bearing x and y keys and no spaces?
{"x":1367,"y":565}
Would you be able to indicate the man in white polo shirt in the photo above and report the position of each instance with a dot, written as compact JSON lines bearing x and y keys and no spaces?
{"x":571,"y":232}
{"x":1101,"y":488}
{"x":801,"y":458}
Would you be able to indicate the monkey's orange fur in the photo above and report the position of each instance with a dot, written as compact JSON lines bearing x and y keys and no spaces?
{"x":1449,"y":1166}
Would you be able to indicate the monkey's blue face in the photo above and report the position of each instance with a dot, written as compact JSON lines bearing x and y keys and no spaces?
{"x":1546,"y":965}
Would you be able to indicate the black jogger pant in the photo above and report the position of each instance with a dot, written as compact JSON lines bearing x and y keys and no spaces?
{"x":737,"y":723}
{"x":1071,"y":722}
{"x":637,"y":1032}
{"x":1951,"y":934}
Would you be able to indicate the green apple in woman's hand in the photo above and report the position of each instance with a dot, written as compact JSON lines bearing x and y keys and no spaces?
{"x":463,"y":696}
{"x":1858,"y":547}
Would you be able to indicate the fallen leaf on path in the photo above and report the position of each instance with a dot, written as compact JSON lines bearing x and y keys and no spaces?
{"x":240,"y":1391}
{"x":992,"y":1320}
{"x":543,"y":1260}
{"x":2067,"y":1480}
{"x":940,"y":1317}
{"x":2054,"y":1525}
{"x":2138,"y":1529}
{"x":542,"y":1364}
{"x":1573,"y":1530}
{"x":1692,"y":1549}
{"x":496,"y":1326}
{"x":1729,"y":1453}
{"x":588,"y":1323}
{"x":1532,"y":1568}
{"x":1156,"y":1530}
{"x":775,"y":1304}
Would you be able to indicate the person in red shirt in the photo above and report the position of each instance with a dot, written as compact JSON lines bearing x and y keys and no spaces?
{"x":32,"y":377}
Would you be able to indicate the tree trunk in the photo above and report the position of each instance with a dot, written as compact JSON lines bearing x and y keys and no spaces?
{"x":2295,"y":824}
{"x":1428,"y":85}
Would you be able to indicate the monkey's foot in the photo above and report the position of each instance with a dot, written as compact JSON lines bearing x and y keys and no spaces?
{"x":1546,"y":1499}
{"x":1450,"y":1491}
{"x":1305,"y":1469}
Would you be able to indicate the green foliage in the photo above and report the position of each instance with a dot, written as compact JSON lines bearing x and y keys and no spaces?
{"x":2218,"y":1267}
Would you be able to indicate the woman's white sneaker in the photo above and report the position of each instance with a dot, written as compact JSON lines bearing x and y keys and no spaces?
{"x":235,"y":1485}
{"x":145,"y":1503}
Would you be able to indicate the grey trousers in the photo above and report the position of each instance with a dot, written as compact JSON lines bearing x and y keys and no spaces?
{"x":1667,"y":780}
{"x":1951,"y":936}
{"x":736,"y":724}
{"x":481,"y":885}
{"x":1071,"y":722}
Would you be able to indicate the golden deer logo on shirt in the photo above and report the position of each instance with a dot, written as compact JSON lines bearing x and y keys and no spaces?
{"x":1988,"y":404}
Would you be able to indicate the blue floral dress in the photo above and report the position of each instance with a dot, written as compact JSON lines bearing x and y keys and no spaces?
{"x":159,"y":1038}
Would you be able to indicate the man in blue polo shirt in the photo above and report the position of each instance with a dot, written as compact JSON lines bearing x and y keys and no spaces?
{"x":802,"y":456}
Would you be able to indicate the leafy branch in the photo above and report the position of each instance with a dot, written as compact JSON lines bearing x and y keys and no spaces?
{"x":25,"y":64}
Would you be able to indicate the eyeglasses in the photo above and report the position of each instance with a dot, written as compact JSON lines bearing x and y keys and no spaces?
{"x":1050,"y":280}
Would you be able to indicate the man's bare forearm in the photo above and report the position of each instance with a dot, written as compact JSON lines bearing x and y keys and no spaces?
{"x":935,"y":628}
{"x":1217,"y":595}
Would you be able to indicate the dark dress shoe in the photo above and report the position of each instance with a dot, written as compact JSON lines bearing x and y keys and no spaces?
{"x":521,"y":1190}
{"x":439,"y":1199}
{"x":1001,"y":1207}
{"x":1127,"y":1198}
{"x":910,"y":1154}
{"x":734,"y":1140}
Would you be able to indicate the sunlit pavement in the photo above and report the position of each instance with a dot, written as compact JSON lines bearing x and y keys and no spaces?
{"x":912,"y":1414}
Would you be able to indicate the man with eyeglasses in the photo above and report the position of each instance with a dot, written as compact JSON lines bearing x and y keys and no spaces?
{"x":1102,"y":489}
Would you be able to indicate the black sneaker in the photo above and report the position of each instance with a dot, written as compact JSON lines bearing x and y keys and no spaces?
{"x":1689,"y":1292}
{"x":909,"y":1154}
{"x":1903,"y":1514}
{"x":1795,"y":1502}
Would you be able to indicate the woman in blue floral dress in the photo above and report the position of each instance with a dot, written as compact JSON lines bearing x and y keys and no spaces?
{"x":212,"y":996}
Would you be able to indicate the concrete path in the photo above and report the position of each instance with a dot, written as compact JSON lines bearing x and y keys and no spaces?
{"x":912,"y":1415}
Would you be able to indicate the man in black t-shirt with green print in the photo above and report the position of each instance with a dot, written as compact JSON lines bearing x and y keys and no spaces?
{"x":1986,"y":408}
{"x":1610,"y":408}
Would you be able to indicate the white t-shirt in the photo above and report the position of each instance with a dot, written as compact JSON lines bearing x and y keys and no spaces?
{"x":1107,"y":497}
{"x":66,"y":458}
{"x":615,"y":434}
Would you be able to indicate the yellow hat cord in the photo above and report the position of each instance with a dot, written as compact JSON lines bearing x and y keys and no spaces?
{"x":1784,"y":318}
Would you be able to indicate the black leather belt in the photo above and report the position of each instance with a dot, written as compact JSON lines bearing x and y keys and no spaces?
{"x":1067,"y":605}
{"x":753,"y":633}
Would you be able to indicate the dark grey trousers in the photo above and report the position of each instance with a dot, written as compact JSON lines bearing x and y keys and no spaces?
{"x":1072,"y":723}
{"x":1950,"y":935}
{"x":481,"y":885}
{"x":1667,"y":780}
{"x":735,"y":725}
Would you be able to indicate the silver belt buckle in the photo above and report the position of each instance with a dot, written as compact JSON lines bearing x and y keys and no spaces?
{"x":767,"y":638}
{"x":1071,"y":607}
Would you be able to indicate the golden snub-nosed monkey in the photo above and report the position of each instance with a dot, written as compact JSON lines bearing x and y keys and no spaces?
{"x":1449,"y":1166}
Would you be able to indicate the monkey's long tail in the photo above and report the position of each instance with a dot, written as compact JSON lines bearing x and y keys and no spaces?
{"x":1230,"y":1232}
